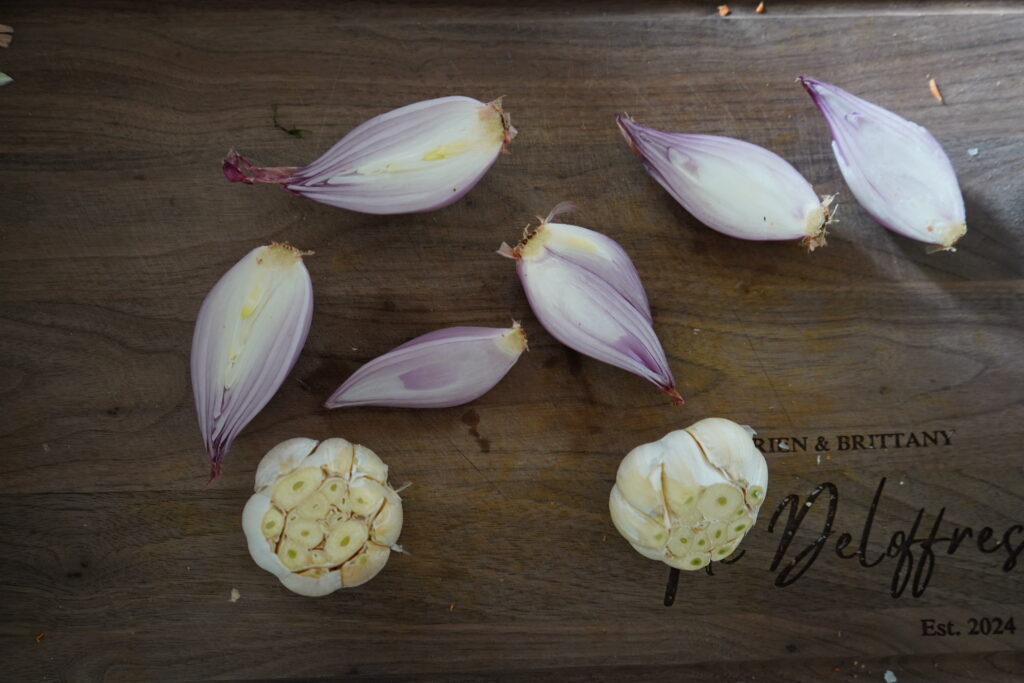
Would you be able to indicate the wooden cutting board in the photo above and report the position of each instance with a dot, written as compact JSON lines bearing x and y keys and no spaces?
{"x":886,"y":384}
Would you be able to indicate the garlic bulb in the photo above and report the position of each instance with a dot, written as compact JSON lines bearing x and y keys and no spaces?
{"x":323,"y":516}
{"x":690,"y":498}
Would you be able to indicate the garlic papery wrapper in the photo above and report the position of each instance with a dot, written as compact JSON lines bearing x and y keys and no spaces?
{"x":420,"y":157}
{"x":249,"y":332}
{"x":323,"y":515}
{"x":732,"y":186}
{"x":439,"y":369}
{"x":690,"y":498}
{"x":585,"y":291}
{"x":894,"y":167}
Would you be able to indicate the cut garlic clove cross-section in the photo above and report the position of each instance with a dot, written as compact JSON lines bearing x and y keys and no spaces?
{"x":323,"y":515}
{"x":690,"y":498}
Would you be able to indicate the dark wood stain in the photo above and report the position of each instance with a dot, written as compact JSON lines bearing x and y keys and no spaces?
{"x":115,"y":223}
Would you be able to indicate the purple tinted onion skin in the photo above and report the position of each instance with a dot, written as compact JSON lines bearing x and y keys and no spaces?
{"x":734,"y":187}
{"x":895,"y":168}
{"x":440,"y":369}
{"x":408,"y":160}
{"x":228,"y":399}
{"x":585,"y":291}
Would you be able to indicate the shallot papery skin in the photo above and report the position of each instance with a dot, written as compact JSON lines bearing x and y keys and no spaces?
{"x":439,"y":369}
{"x":585,"y":291}
{"x":732,"y":186}
{"x":420,"y":157}
{"x":895,"y":168}
{"x":249,"y":332}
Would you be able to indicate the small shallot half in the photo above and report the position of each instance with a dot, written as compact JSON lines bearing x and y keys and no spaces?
{"x":732,"y":186}
{"x":439,"y":369}
{"x":250,"y":330}
{"x":895,"y":168}
{"x":420,"y":157}
{"x":585,"y":291}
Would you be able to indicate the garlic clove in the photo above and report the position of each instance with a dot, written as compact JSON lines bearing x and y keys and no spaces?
{"x":282,"y":458}
{"x":719,"y":501}
{"x":387,"y":524}
{"x":369,"y":465}
{"x":727,"y":446}
{"x":295,"y":487}
{"x":365,"y":565}
{"x":345,"y":540}
{"x":895,"y":168}
{"x":272,"y":524}
{"x":701,"y":476}
{"x":304,"y":532}
{"x":335,"y":492}
{"x":638,"y":528}
{"x":365,"y":497}
{"x":314,"y":506}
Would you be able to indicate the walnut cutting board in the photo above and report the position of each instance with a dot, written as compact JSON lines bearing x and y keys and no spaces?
{"x":884,"y":382}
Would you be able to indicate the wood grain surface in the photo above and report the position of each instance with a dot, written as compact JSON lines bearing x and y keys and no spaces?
{"x":115,"y":222}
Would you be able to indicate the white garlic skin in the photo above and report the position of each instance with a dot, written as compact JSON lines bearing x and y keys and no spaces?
{"x":689,"y":498}
{"x":303,"y":498}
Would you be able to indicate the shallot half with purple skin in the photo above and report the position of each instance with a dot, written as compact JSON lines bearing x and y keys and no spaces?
{"x":585,"y":291}
{"x":895,"y":168}
{"x":250,"y":330}
{"x":439,"y":369}
{"x":420,"y":157}
{"x":732,"y":186}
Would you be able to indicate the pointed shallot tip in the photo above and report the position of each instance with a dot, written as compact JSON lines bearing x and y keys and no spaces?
{"x":812,"y":242}
{"x":677,"y":400}
{"x":620,"y":120}
{"x":214,"y":474}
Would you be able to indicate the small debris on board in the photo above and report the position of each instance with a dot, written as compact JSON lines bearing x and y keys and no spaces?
{"x":724,"y":11}
{"x":451,"y":607}
{"x":760,"y":8}
{"x":39,"y":637}
{"x":6,"y":35}
{"x":890,"y":677}
{"x":934,"y":88}
{"x":972,"y":151}
{"x":235,"y":595}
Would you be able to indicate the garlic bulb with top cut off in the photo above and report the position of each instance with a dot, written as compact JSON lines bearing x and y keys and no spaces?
{"x":323,"y":516}
{"x":690,"y":498}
